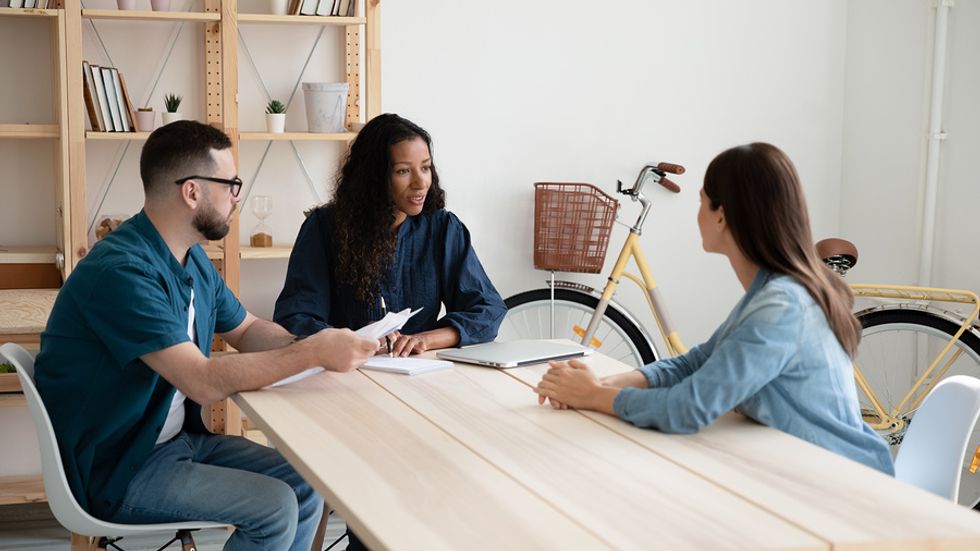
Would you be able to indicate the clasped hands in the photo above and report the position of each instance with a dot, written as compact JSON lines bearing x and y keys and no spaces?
{"x":569,"y":384}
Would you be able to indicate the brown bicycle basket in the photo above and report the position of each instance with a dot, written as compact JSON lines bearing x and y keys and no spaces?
{"x":572,"y":223}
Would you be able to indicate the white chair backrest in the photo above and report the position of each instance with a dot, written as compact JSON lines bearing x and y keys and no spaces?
{"x":63,"y":504}
{"x":934,"y":448}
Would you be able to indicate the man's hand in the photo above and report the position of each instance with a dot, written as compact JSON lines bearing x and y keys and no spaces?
{"x":341,"y":350}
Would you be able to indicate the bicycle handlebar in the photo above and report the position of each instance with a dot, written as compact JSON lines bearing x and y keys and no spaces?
{"x":671,"y":168}
{"x":670,"y":185}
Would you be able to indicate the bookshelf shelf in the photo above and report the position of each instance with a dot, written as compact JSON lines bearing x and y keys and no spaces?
{"x":261,"y":253}
{"x":28,"y":12}
{"x":27,"y":255}
{"x":20,"y":489}
{"x":252,"y":253}
{"x":25,"y":311}
{"x":263,"y":18}
{"x":298,"y":136}
{"x":116,"y":136}
{"x":30,"y":131}
{"x":137,"y":15}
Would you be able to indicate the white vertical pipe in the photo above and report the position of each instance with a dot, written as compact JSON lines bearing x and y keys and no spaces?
{"x":936,"y":136}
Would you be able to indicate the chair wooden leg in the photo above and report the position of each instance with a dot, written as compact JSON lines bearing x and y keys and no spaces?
{"x":83,"y":543}
{"x":321,"y":529}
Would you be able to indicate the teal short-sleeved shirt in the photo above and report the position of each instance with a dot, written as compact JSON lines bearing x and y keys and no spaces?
{"x":127,"y":298}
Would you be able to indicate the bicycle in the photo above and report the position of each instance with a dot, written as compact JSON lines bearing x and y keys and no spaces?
{"x":912,"y":337}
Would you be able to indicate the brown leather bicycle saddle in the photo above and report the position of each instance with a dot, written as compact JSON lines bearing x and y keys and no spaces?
{"x":836,"y":247}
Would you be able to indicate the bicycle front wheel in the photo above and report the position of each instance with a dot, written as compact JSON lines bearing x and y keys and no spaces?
{"x":529,"y":317}
{"x":897,"y":347}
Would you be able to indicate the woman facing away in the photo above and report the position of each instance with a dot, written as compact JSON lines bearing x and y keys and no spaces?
{"x":783,"y":355}
{"x":386,"y":236}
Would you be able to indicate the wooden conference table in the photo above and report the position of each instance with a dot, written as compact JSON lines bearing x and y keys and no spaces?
{"x":466,"y":459}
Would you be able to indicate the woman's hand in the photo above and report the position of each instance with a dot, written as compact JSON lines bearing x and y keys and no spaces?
{"x":403,"y":345}
{"x":573,"y":384}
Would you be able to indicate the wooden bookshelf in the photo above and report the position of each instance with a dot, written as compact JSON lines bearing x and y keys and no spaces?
{"x":265,"y":18}
{"x":29,"y":131}
{"x":141,"y":15}
{"x":25,"y":311}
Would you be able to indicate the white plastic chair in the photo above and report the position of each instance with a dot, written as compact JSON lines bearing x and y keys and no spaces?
{"x":66,"y":510}
{"x":933,"y":450}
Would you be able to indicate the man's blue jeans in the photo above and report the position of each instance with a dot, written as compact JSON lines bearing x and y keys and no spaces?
{"x":225,"y":479}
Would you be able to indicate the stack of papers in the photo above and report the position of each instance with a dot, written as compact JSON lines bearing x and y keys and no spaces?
{"x":393,"y":321}
{"x":406,"y":366}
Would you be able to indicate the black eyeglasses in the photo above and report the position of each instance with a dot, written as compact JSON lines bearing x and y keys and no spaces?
{"x":235,"y":183}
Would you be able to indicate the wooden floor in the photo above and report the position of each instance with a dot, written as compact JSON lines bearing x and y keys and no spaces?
{"x":32,"y":528}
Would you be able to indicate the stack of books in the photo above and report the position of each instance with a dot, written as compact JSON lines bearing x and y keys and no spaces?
{"x":341,"y":8}
{"x":107,"y":99}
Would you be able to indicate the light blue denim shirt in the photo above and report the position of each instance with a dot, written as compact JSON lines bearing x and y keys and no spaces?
{"x":777,"y":361}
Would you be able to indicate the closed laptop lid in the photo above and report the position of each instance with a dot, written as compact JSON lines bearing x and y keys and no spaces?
{"x":514,"y":353}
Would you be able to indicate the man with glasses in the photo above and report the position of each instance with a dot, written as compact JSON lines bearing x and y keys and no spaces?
{"x":124,"y":363}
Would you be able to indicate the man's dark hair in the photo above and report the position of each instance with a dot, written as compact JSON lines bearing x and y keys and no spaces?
{"x":178,"y":150}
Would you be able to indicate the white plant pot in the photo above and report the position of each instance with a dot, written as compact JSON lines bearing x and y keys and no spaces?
{"x":275,"y":123}
{"x":160,"y":5}
{"x":145,"y":121}
{"x":126,"y":4}
{"x":278,"y":7}
{"x":169,"y":117}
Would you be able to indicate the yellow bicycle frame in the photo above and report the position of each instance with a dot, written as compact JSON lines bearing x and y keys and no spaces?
{"x":631,"y":249}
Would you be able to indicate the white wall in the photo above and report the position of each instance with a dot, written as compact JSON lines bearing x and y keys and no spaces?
{"x":555,"y":91}
{"x":889,"y":66}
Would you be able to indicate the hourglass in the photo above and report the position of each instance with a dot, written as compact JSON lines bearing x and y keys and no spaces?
{"x":261,"y":208}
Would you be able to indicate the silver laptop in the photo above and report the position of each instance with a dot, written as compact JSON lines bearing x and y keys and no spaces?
{"x":514,"y":353}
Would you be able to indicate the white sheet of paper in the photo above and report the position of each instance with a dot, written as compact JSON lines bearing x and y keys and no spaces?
{"x":406,"y":366}
{"x":393,"y":321}
{"x":297,"y":377}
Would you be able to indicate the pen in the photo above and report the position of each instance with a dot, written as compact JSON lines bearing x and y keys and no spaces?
{"x":384,"y":312}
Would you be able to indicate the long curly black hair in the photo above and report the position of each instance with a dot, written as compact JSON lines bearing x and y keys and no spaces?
{"x":364,"y":208}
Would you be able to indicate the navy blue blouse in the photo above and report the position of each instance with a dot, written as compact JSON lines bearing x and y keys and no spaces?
{"x":434,"y":264}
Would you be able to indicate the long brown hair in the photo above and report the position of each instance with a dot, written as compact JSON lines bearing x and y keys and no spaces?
{"x":767,"y":215}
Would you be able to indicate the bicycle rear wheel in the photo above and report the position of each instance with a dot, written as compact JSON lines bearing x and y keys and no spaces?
{"x":897,"y":346}
{"x":529,"y":317}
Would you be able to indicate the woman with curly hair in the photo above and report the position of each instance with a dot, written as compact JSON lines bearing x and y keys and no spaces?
{"x":386,"y":235}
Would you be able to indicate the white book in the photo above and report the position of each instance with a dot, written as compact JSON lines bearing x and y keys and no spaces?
{"x":103,"y":101}
{"x":30,"y":4}
{"x":110,"y":97}
{"x":127,"y":125}
{"x":309,"y":7}
{"x":406,"y":366}
{"x":345,"y":7}
{"x":324,"y":7}
{"x":16,"y":3}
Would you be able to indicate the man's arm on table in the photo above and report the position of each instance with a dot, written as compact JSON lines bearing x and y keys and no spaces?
{"x":267,"y":357}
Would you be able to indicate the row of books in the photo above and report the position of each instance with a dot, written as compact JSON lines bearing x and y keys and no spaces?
{"x":343,"y":8}
{"x":40,"y":4}
{"x":107,"y":99}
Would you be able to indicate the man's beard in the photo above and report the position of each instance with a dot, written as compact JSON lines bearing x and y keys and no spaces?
{"x":208,"y":223}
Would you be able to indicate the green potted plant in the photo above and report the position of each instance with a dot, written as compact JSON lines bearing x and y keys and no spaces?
{"x":144,"y":119}
{"x":172,"y":103}
{"x":275,"y":117}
